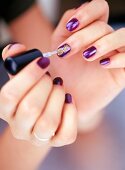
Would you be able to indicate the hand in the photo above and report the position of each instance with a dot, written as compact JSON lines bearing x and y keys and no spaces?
{"x":90,"y":84}
{"x":37,"y":108}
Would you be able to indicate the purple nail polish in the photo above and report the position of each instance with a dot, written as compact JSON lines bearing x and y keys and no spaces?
{"x":89,"y":52}
{"x":105,"y":61}
{"x":68,"y":98}
{"x":43,"y":62}
{"x":48,"y":73}
{"x":72,"y":24}
{"x":58,"y":81}
{"x":63,"y":50}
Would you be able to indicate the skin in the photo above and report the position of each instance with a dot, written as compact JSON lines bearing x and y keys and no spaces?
{"x":29,"y":134}
{"x":107,"y":83}
{"x":85,"y":98}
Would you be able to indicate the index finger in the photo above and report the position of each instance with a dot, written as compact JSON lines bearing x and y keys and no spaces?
{"x":88,"y":13}
{"x":75,"y":19}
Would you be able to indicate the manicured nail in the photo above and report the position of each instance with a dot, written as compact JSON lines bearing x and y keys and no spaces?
{"x":58,"y":81}
{"x":63,"y":50}
{"x":48,"y":73}
{"x":12,"y":44}
{"x":43,"y":62}
{"x":105,"y":61}
{"x":89,"y":52}
{"x":72,"y":24}
{"x":68,"y":98}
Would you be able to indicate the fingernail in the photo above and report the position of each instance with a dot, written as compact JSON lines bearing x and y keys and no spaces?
{"x":48,"y":73}
{"x":72,"y":24}
{"x":68,"y":98}
{"x":89,"y":52}
{"x":105,"y":61}
{"x":12,"y":44}
{"x":58,"y":81}
{"x":63,"y":50}
{"x":43,"y":62}
{"x":45,"y":137}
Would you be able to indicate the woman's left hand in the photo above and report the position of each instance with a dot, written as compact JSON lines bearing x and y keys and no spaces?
{"x":92,"y":86}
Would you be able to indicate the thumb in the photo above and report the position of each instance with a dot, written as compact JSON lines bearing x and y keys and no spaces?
{"x":12,"y":50}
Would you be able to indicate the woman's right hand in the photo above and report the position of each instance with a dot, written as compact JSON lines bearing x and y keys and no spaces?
{"x":37,"y":108}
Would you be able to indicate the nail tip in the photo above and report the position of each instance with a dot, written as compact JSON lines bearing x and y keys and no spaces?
{"x":105,"y":62}
{"x":91,"y":51}
{"x":48,"y":73}
{"x":58,"y":81}
{"x":72,"y":24}
{"x":68,"y":98}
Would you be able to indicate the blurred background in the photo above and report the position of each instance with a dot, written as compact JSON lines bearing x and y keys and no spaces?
{"x":104,"y":147}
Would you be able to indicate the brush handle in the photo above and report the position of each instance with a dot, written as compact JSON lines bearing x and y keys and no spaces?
{"x":14,"y":64}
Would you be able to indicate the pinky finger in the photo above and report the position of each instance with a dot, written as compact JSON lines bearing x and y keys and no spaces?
{"x":115,"y":61}
{"x":67,"y":132}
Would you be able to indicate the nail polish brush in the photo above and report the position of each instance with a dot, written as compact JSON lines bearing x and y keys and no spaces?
{"x":14,"y":64}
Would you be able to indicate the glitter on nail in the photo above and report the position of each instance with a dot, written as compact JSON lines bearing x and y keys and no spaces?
{"x":63,"y":50}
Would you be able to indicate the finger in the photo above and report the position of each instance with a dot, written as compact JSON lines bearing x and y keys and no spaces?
{"x":12,"y":50}
{"x":48,"y":123}
{"x":115,"y":61}
{"x":83,"y":38}
{"x":30,"y":108}
{"x":105,"y":45}
{"x":86,"y":15}
{"x":61,"y":30}
{"x":14,"y":90}
{"x":67,"y":131}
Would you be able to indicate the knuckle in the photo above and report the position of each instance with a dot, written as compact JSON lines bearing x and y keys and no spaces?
{"x":9,"y":101}
{"x":75,"y":37}
{"x":26,"y":107}
{"x":67,"y":13}
{"x":105,"y":27}
{"x":105,"y":5}
{"x":122,"y":31}
{"x":120,"y":80}
{"x":19,"y":131}
{"x":8,"y":95}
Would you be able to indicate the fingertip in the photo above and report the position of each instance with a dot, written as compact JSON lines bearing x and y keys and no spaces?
{"x":12,"y":49}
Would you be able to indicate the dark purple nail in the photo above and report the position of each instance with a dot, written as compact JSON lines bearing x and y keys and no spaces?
{"x":11,"y":44}
{"x":105,"y":61}
{"x":58,"y":81}
{"x":72,"y":24}
{"x":68,"y":98}
{"x":63,"y":50}
{"x":89,"y":52}
{"x":43,"y":62}
{"x":48,"y":73}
